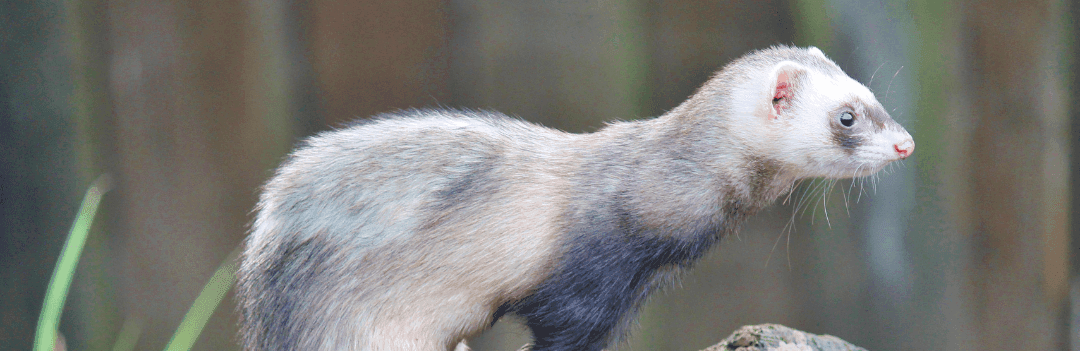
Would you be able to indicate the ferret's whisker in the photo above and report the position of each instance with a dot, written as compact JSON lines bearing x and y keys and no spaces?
{"x":822,"y":187}
{"x":855,"y":175}
{"x":825,"y":204}
{"x":791,"y":189}
{"x":807,"y":191}
{"x":890,"y":83}
{"x":813,"y":213}
{"x":788,"y":249}
{"x":862,"y":187}
{"x":769,"y":258}
{"x":874,"y":74}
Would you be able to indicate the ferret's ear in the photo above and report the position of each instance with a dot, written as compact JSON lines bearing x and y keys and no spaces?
{"x":785,"y":82}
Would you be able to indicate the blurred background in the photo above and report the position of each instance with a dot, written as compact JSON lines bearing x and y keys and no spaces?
{"x":189,"y":105}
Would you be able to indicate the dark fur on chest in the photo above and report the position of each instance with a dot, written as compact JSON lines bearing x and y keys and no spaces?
{"x":612,"y":264}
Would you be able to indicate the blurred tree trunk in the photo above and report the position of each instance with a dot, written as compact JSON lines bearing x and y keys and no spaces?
{"x":1018,"y":201}
{"x":935,"y":312}
{"x":866,"y":283}
{"x":203,"y":94}
{"x":378,"y":56}
{"x":565,"y":64}
{"x":570,"y":65}
{"x":40,"y":183}
{"x":1073,"y":317}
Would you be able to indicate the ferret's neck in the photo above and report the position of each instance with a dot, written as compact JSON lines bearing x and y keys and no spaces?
{"x":678,"y":170}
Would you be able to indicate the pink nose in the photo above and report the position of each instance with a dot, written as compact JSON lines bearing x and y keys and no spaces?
{"x":905,"y":148}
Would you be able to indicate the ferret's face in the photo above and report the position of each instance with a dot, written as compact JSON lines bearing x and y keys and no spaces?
{"x":831,"y":126}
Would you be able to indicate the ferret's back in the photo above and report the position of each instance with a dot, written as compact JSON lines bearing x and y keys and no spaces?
{"x":387,"y":168}
{"x":389,"y":206}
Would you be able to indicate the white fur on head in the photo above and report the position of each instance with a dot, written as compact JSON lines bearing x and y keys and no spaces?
{"x":814,"y":50}
{"x":796,"y":111}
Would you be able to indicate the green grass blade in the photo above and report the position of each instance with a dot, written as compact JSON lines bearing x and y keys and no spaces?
{"x":56,"y":293}
{"x":210,"y":297}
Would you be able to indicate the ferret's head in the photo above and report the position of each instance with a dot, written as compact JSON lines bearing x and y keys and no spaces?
{"x":812,"y":118}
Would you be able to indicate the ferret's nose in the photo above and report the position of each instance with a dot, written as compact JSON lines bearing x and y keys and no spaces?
{"x":905,"y":148}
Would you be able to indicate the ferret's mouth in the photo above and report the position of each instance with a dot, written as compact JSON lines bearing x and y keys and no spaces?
{"x":870,"y":162}
{"x":858,"y":169}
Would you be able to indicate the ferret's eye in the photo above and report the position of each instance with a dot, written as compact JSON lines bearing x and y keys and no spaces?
{"x":847,"y":119}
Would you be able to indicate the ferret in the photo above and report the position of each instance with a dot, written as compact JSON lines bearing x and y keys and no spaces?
{"x":418,"y":229}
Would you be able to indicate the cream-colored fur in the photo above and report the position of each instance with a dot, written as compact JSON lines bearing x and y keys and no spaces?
{"x":410,"y":232}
